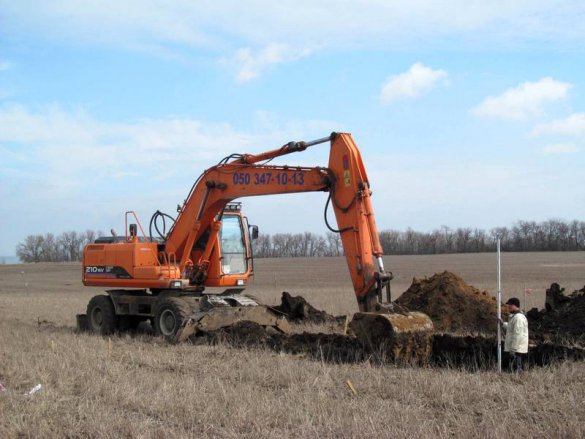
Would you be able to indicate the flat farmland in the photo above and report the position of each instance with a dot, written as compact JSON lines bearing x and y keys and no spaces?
{"x":325,"y":282}
{"x":139,"y":386}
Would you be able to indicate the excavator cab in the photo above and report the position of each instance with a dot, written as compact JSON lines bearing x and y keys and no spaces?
{"x":231,"y":263}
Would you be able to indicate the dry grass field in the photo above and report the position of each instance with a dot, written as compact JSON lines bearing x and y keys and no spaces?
{"x":139,"y":386}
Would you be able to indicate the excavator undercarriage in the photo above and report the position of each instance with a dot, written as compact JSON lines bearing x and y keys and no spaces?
{"x":176,"y":316}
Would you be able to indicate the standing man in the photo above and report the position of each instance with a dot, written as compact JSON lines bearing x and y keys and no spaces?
{"x":516,"y":342}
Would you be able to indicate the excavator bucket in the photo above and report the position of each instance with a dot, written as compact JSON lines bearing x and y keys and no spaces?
{"x":406,"y":338}
{"x":223,"y":311}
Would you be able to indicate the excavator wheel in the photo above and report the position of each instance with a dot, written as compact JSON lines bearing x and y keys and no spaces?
{"x":101,"y":315}
{"x":404,"y":338}
{"x":170,"y":314}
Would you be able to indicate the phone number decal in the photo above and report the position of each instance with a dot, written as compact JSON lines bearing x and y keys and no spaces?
{"x":278,"y":178}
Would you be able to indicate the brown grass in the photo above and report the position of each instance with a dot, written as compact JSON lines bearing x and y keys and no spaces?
{"x":141,"y":387}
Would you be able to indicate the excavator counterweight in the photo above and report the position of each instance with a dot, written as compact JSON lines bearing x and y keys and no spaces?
{"x":209,"y":245}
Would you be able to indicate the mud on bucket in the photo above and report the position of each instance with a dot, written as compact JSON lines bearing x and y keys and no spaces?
{"x":402,"y":338}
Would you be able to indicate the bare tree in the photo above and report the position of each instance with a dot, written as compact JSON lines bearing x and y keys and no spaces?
{"x":69,"y":242}
{"x":262,"y":246}
{"x":31,"y":249}
{"x":333,"y":244}
{"x":49,"y":249}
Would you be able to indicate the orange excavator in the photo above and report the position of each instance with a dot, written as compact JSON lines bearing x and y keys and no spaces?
{"x":163,"y":279}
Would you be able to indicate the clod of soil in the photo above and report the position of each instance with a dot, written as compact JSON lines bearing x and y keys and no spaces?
{"x":453,"y":305}
{"x":555,"y":296}
{"x":564,"y":318}
{"x":297,"y":310}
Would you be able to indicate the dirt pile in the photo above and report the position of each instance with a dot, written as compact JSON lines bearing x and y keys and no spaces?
{"x":563,"y":320}
{"x":297,"y":310}
{"x":465,"y":316}
{"x":453,"y":305}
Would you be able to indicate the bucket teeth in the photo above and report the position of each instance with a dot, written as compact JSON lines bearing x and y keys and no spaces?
{"x":404,"y":338}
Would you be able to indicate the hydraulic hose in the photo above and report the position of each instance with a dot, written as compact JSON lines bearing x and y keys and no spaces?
{"x":154,"y":222}
{"x":327,"y":221}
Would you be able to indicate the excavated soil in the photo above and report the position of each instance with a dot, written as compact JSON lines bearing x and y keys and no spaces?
{"x":563,"y":320}
{"x":453,"y":305}
{"x":297,"y":309}
{"x":467,"y":352}
{"x":464,"y":320}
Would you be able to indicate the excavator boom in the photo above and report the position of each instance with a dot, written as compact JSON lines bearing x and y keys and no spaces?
{"x":345,"y":179}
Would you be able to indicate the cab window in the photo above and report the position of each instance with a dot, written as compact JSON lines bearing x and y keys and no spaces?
{"x":233,"y":249}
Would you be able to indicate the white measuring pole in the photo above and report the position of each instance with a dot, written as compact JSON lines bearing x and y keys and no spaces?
{"x":499,"y":310}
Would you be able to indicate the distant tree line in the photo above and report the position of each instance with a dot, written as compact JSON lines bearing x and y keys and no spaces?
{"x":68,"y":246}
{"x":523,"y":236}
{"x":297,"y":245}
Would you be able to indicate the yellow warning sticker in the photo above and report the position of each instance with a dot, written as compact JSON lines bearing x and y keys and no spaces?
{"x":346,"y":178}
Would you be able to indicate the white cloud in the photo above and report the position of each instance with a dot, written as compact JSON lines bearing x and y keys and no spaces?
{"x":173,"y":29}
{"x":65,"y":169}
{"x":573,"y":125}
{"x":73,"y":145}
{"x":250,"y":64}
{"x":560,"y":148}
{"x":410,"y":84}
{"x":524,"y":101}
{"x":88,"y":144}
{"x":139,"y":23}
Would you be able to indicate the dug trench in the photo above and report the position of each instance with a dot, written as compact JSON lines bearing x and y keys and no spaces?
{"x":464,"y":319}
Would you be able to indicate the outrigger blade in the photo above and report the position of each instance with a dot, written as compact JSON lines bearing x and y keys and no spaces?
{"x":223,"y":311}
{"x":405,"y":337}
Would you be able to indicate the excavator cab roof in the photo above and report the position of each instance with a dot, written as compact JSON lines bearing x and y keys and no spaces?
{"x":233,"y":207}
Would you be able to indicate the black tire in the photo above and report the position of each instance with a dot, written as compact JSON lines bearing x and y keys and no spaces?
{"x":169,"y":315}
{"x":101,"y":315}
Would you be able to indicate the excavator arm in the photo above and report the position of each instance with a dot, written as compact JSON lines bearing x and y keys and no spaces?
{"x":352,"y":204}
{"x":345,"y":179}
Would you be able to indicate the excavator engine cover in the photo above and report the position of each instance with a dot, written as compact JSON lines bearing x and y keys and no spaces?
{"x":405,"y":338}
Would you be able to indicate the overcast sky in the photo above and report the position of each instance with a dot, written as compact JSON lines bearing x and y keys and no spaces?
{"x":467,"y":113}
